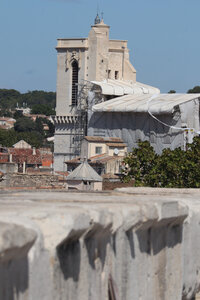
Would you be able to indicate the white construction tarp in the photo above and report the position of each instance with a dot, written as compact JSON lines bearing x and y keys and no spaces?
{"x":120,"y":87}
{"x":159,"y":104}
{"x":128,"y":118}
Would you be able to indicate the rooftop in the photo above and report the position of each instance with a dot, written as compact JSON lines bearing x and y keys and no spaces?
{"x":84,"y":172}
{"x":122,"y":87}
{"x":97,"y":159}
{"x":25,"y":155}
{"x":103,"y":139}
{"x":156,"y":104}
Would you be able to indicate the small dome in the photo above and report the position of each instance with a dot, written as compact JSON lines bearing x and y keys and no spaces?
{"x":97,"y":20}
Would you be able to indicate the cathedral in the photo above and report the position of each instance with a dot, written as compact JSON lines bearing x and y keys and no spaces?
{"x":84,"y":64}
{"x":98,"y":95}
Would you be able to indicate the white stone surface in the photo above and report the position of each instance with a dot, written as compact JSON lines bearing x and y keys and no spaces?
{"x":146,"y":240}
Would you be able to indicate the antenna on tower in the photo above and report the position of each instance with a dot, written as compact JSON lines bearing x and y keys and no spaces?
{"x":97,"y":19}
{"x":97,"y":7}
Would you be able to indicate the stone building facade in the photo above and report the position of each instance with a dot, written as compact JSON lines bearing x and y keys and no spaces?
{"x":80,"y":62}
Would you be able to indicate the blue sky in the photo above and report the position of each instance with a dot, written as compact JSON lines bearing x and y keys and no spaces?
{"x":163,"y":38}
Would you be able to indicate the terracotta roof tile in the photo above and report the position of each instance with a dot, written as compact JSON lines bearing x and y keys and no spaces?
{"x":110,"y":176}
{"x":119,"y":145}
{"x":73,"y":160}
{"x":103,"y":159}
{"x":26,"y":155}
{"x":98,"y":156}
{"x":103,"y":139}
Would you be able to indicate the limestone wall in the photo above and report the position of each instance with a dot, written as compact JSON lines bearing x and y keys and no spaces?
{"x":64,"y":134}
{"x":8,"y":167}
{"x":30,"y":180}
{"x":140,"y":244}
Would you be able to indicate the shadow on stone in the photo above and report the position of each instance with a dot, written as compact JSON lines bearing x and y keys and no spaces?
{"x":69,"y":256}
{"x":129,"y":235}
{"x":96,"y":242}
{"x":13,"y":278}
{"x":114,"y":242}
{"x":154,"y":239}
{"x":174,"y":235}
{"x":144,"y":239}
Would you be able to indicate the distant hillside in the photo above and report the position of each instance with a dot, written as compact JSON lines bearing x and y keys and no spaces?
{"x":10,"y":99}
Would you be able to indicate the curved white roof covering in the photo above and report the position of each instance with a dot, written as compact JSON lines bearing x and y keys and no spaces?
{"x":120,"y":88}
{"x":160,"y":104}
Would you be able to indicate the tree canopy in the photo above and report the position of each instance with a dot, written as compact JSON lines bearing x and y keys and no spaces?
{"x":195,"y":90}
{"x":40,"y":102}
{"x":25,"y":124}
{"x":10,"y":99}
{"x":173,"y":168}
{"x":9,"y":137}
{"x":42,"y":109}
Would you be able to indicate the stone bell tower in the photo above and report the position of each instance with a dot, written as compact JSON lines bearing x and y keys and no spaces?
{"x":82,"y":60}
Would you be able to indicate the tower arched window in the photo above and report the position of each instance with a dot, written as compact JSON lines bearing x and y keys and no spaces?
{"x":74,"y":83}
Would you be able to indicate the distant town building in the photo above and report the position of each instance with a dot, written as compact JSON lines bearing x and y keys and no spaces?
{"x":102,"y":164}
{"x":84,"y":177}
{"x":24,"y":110}
{"x":22,"y":145}
{"x":94,"y":145}
{"x":7,"y":123}
{"x":105,"y":155}
{"x":25,"y":160}
{"x":35,"y":116}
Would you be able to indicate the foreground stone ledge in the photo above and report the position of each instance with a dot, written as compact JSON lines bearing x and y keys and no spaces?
{"x":141,"y":243}
{"x":15,"y":241}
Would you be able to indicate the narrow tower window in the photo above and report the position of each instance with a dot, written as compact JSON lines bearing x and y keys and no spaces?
{"x":116,"y":74}
{"x":74,"y":83}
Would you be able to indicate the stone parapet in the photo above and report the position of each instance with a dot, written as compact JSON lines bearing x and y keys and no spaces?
{"x":135,"y":244}
{"x":64,"y":119}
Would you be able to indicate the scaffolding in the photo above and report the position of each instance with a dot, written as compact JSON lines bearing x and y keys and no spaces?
{"x":79,"y":129}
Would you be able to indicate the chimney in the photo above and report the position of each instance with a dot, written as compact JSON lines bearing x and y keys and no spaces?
{"x":10,"y":158}
{"x":34,"y":151}
{"x":24,"y":167}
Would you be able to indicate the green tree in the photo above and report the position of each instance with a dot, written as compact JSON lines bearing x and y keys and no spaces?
{"x":18,"y":114}
{"x":42,"y":109}
{"x":172,"y":92}
{"x":5,"y":113}
{"x":139,"y":162}
{"x":168,"y":169}
{"x":51,"y":128}
{"x":8,"y":137}
{"x":195,"y":90}
{"x":39,"y":125}
{"x":173,"y":168}
{"x":9,"y":99}
{"x":25,"y":124}
{"x":34,"y":138}
{"x":39,"y":97}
